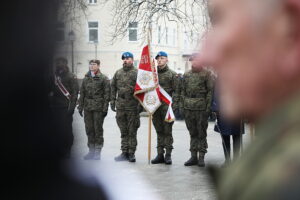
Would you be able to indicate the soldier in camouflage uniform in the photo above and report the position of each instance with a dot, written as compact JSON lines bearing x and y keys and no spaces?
{"x":196,"y":98}
{"x":93,"y":101}
{"x":126,"y":106}
{"x":168,"y":81}
{"x":63,"y":105}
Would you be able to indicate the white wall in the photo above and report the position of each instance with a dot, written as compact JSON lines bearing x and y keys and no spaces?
{"x":110,"y":54}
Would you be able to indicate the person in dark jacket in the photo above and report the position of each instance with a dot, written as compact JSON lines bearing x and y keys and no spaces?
{"x":63,"y":98}
{"x":227,"y":128}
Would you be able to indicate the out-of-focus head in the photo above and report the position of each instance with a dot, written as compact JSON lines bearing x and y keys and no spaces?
{"x":94,"y":65}
{"x":127,"y":58}
{"x":255,"y":47}
{"x":194,"y":59}
{"x":61,"y":63}
{"x":162,"y":59}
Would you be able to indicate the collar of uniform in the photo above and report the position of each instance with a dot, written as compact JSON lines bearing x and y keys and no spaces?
{"x":89,"y":74}
{"x":163,"y":69}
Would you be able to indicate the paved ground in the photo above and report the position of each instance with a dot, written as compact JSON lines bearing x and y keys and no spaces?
{"x":142,"y":181}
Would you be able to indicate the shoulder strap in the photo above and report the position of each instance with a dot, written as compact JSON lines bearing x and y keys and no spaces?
{"x":61,"y":87}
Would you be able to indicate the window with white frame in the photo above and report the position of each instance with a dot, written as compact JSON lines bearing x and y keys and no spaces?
{"x":60,"y":32}
{"x":93,"y":31}
{"x":167,"y":35}
{"x":159,"y":35}
{"x":132,"y":31}
{"x":92,"y":1}
{"x":174,"y":37}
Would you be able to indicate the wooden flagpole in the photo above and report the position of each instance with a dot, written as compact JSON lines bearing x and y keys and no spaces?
{"x":149,"y":38}
{"x":149,"y":138}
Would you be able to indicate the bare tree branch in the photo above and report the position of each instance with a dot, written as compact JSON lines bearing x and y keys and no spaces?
{"x":146,"y":12}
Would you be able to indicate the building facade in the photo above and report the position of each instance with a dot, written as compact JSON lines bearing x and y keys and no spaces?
{"x":89,"y":38}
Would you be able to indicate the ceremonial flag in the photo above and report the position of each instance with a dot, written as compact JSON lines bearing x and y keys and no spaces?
{"x":147,"y":89}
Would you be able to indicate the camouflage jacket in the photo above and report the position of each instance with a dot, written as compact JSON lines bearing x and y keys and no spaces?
{"x":169,"y":81}
{"x":57,"y":98}
{"x":94,"y":93}
{"x":197,"y":90}
{"x":269,"y":168}
{"x":122,"y":89}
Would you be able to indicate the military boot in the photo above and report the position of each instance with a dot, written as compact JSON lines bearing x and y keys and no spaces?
{"x":122,"y":157}
{"x":193,"y":160}
{"x":97,"y":154}
{"x":131,"y":157}
{"x":89,"y":155}
{"x":168,"y":159}
{"x":158,"y":159}
{"x":201,"y":162}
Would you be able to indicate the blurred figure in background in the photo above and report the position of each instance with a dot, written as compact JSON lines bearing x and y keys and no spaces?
{"x":228,"y":128}
{"x":63,"y":98}
{"x":255,"y":47}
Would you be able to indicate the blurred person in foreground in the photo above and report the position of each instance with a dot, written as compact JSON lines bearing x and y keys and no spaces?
{"x":255,"y":46}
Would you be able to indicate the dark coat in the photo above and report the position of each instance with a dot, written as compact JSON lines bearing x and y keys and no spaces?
{"x":223,"y":126}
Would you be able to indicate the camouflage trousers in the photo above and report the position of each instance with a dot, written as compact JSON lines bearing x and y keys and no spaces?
{"x":163,"y":130}
{"x":197,"y":123}
{"x":128,"y":122}
{"x":94,"y":129}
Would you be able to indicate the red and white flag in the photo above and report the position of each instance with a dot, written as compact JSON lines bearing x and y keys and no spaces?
{"x":147,"y":89}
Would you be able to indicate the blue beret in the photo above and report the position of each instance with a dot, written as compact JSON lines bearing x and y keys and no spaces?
{"x":127,"y":55}
{"x":161,"y":53}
